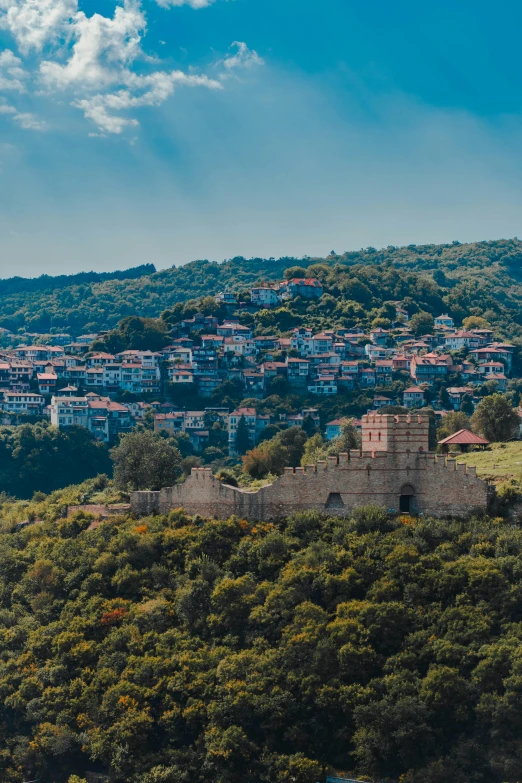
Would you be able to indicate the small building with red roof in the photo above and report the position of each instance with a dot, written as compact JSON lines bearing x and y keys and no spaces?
{"x":463,"y":439}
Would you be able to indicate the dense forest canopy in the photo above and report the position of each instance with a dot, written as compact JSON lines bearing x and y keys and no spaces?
{"x":483,"y":276}
{"x":13,"y":285}
{"x":180,"y":650}
{"x":41,"y":458}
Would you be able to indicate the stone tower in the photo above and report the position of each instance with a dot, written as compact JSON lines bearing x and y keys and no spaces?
{"x":395,"y":434}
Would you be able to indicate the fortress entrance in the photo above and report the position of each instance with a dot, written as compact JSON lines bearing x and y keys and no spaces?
{"x":407,"y":493}
{"x":334,"y":500}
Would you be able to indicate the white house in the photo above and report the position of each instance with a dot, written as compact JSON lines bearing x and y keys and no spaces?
{"x":444,"y":320}
{"x":263,"y":296}
{"x":413,"y":397}
{"x":22,"y":402}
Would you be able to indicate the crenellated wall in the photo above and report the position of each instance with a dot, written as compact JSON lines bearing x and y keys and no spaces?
{"x":394,"y":462}
{"x":437,"y":486}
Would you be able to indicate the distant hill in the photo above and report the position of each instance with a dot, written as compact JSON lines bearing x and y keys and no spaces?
{"x":15,"y":285}
{"x":485,"y":276}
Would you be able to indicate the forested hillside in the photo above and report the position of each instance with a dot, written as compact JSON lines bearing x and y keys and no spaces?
{"x":178,"y":650}
{"x":91,"y":306}
{"x":483,"y":275}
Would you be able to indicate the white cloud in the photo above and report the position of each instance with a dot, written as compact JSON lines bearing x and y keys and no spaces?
{"x":192,"y":3}
{"x":243,"y":57}
{"x":12,"y":74}
{"x":102,"y":47}
{"x":28,"y":121}
{"x":156,"y":88}
{"x":33,"y":23}
{"x":95,"y":60}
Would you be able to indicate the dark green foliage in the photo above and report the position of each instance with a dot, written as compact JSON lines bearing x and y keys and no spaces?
{"x":421,"y":323}
{"x":177,"y":649}
{"x":479,"y":279}
{"x":16,"y":285}
{"x":496,"y":419}
{"x":134,"y":333}
{"x":143,"y":460}
{"x":37,"y":457}
{"x":242,"y":442}
{"x":294,"y":440}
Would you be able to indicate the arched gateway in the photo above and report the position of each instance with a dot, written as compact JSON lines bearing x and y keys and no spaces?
{"x":406,"y":498}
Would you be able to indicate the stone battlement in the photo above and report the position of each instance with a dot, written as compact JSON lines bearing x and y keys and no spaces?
{"x":394,"y":469}
{"x":420,"y":483}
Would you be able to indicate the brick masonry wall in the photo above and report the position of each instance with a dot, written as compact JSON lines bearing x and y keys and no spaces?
{"x":441,"y":487}
{"x":386,"y":432}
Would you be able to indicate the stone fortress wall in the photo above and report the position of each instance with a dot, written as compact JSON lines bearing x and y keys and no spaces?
{"x":393,"y":469}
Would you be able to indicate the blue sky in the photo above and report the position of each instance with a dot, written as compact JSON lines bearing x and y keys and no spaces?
{"x":167,"y":130}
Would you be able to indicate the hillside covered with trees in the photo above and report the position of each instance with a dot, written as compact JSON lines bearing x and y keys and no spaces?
{"x":178,"y":650}
{"x":486,"y":276}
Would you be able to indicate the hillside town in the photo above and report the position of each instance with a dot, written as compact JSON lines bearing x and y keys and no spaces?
{"x":62,"y":378}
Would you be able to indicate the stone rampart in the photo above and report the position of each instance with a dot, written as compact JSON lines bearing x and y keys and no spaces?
{"x":435,"y":486}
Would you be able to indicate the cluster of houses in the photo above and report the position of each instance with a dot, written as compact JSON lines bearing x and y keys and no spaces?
{"x":196,"y":424}
{"x":28,"y":373}
{"x":74,"y":385}
{"x":330,"y":361}
{"x":276,"y":293}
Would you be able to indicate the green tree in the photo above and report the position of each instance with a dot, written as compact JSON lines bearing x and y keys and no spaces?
{"x":381,"y":323}
{"x":294,"y":440}
{"x":315,"y":450}
{"x":134,"y":333}
{"x":295,"y":271}
{"x":496,"y":419}
{"x":347,"y":440}
{"x":242,"y":439}
{"x":453,"y":422}
{"x":422,"y":323}
{"x":444,"y":398}
{"x":466,"y":405}
{"x":38,"y":457}
{"x":188,"y":464}
{"x":143,"y":460}
{"x":475,"y":322}
{"x":309,"y":425}
{"x":269,"y":457}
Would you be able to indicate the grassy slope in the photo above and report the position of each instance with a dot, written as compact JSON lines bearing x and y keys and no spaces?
{"x":502,"y":462}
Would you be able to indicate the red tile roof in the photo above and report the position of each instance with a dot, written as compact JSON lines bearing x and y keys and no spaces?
{"x":465,"y":438}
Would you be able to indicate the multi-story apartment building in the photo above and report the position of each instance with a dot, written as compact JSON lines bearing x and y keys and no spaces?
{"x":47,"y":382}
{"x":428,"y":369}
{"x":104,"y":418}
{"x":22,"y":402}
{"x":324,"y":384}
{"x":264,"y":296}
